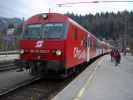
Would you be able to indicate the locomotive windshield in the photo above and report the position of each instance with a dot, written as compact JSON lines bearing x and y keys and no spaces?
{"x":32,"y":32}
{"x":53,"y":30}
{"x":45,"y":31}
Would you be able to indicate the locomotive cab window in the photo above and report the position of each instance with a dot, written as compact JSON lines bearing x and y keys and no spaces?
{"x":54,"y":31}
{"x":32,"y":32}
{"x":45,"y":31}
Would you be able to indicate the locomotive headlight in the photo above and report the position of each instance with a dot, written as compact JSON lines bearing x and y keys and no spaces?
{"x":45,"y":16}
{"x":21,"y":51}
{"x":58,"y":52}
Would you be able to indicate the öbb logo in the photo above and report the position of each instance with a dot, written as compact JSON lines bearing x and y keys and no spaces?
{"x":39,"y":44}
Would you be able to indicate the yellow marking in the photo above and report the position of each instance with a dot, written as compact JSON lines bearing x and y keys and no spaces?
{"x":82,"y":90}
{"x":100,"y":62}
{"x":76,"y":98}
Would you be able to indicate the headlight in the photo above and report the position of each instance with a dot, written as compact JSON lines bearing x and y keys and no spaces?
{"x":45,"y":16}
{"x":21,"y":51}
{"x":58,"y":52}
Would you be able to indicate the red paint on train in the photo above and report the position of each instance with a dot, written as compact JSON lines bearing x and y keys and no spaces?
{"x":53,"y":38}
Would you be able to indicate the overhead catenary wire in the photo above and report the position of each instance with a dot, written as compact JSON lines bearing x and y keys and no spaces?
{"x":112,"y":1}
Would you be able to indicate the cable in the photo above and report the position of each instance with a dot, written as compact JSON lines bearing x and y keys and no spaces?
{"x":112,"y":1}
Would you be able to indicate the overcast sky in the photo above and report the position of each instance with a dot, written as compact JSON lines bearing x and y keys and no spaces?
{"x":27,"y":8}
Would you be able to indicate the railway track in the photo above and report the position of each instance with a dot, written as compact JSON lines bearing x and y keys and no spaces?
{"x":10,"y":89}
{"x":36,"y":88}
{"x":6,"y":67}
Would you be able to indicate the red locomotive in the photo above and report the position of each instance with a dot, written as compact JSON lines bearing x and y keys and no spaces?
{"x":53,"y":41}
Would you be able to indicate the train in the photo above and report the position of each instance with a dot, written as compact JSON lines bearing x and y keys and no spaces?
{"x":54,"y":42}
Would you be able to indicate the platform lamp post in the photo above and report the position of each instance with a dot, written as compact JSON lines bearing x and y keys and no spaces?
{"x":124,"y":41}
{"x":23,"y":24}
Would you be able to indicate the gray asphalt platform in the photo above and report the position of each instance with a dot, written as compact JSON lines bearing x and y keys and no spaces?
{"x":102,"y":81}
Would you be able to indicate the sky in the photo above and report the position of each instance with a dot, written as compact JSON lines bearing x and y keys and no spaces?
{"x":27,"y":8}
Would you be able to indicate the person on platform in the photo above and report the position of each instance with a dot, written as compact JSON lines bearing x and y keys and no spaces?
{"x":112,"y":55}
{"x":124,"y":52}
{"x":117,"y":57}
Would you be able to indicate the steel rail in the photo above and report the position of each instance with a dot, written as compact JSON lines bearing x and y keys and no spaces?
{"x":8,"y":67}
{"x":20,"y":85}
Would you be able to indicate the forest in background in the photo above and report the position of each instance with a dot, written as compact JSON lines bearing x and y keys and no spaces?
{"x":108,"y":26}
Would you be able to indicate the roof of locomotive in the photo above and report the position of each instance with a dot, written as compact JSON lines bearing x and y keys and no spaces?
{"x":51,"y":17}
{"x":36,"y":19}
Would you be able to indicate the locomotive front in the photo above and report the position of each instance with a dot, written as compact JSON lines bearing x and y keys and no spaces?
{"x":42,"y":44}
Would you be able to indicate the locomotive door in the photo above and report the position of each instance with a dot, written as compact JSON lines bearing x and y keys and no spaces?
{"x":87,"y":46}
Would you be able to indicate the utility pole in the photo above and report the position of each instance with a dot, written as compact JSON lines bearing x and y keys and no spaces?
{"x":124,"y":44}
{"x":23,"y":24}
{"x":49,"y":10}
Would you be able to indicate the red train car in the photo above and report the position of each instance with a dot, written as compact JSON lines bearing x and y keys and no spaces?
{"x":53,"y":41}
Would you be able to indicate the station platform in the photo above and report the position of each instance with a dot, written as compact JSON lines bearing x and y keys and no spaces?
{"x":102,"y":80}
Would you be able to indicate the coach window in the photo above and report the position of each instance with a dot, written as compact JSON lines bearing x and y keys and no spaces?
{"x":94,"y":46}
{"x":75,"y":35}
{"x":91,"y":43}
{"x":88,"y":42}
{"x":85,"y":41}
